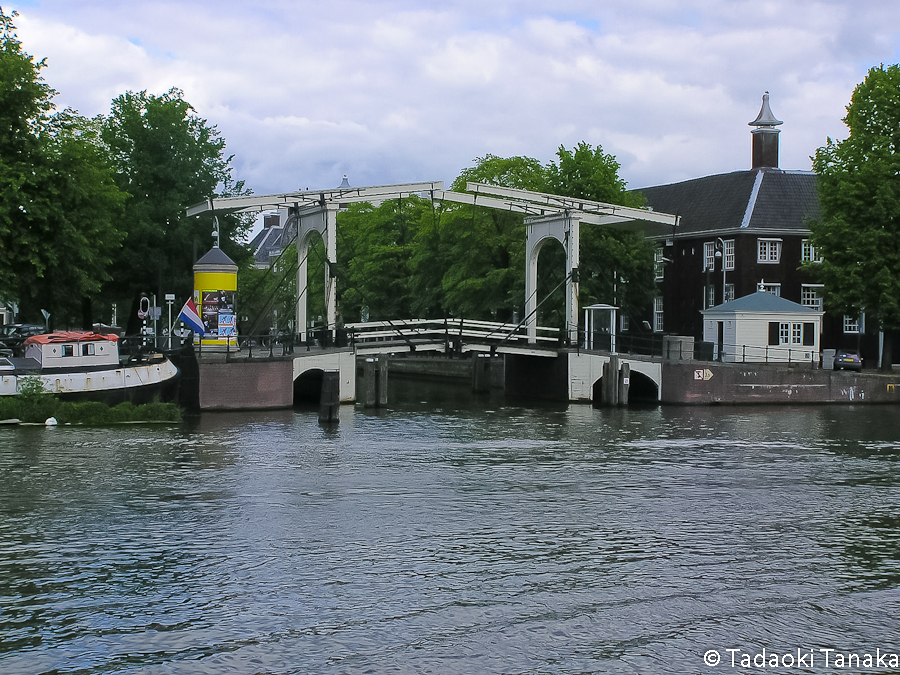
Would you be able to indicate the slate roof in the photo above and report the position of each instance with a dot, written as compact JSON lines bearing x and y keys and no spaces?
{"x":761,"y":301}
{"x":759,"y":200}
{"x":266,"y":244}
{"x":215,"y":256}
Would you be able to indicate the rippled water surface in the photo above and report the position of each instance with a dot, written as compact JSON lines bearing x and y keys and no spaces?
{"x":450,"y":537}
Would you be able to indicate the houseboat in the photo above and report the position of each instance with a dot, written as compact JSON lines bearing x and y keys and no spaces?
{"x":87,"y":366}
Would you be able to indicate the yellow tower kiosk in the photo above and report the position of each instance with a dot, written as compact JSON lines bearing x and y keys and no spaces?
{"x":215,"y":292}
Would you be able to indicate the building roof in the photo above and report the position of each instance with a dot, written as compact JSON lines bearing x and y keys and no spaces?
{"x":763,"y":200}
{"x":762,"y":302}
{"x":215,"y":256}
{"x":70,"y":336}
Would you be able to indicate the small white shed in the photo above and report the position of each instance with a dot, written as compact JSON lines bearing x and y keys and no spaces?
{"x":763,"y":328}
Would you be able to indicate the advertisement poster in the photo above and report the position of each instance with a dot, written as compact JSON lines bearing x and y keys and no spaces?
{"x":217,"y":313}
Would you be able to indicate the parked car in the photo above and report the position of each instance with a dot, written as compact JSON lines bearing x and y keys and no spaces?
{"x":847,"y":359}
{"x":12,"y":335}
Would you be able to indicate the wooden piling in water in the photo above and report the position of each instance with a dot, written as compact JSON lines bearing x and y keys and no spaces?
{"x":330,"y":401}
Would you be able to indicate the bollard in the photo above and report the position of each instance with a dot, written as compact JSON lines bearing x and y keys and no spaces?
{"x":330,"y":401}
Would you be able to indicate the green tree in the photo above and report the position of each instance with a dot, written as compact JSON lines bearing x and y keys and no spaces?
{"x":616,"y":265}
{"x":375,"y":245}
{"x":59,"y":202}
{"x":858,"y":234}
{"x":483,"y":260}
{"x":167,"y":158}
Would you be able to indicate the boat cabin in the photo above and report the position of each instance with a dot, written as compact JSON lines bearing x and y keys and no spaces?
{"x":72,"y":349}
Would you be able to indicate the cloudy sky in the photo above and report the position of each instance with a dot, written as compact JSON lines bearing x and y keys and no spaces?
{"x":392,"y":91}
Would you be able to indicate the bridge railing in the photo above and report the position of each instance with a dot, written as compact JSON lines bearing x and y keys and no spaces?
{"x":448,"y":330}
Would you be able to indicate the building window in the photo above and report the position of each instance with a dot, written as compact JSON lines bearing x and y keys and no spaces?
{"x":658,"y":314}
{"x":659,"y":263}
{"x":851,"y":324}
{"x":709,"y":296}
{"x":809,"y":253}
{"x":784,"y":332}
{"x":810,"y":296}
{"x":709,"y":255}
{"x":729,"y":292}
{"x":792,"y":334}
{"x":768,"y":250}
{"x":774,"y":289}
{"x":729,"y":254}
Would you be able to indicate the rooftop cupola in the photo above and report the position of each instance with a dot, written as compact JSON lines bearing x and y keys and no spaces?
{"x":765,"y":136}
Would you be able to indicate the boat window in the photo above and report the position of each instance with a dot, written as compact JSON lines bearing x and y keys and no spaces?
{"x":87,"y":349}
{"x":68,"y":350}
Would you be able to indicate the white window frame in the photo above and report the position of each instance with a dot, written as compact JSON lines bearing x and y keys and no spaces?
{"x":810,"y":296}
{"x":658,"y":315}
{"x":774,"y":289}
{"x":709,"y":295}
{"x":808,"y":252}
{"x":729,"y":292}
{"x":709,"y":255}
{"x":768,"y":251}
{"x":659,"y":263}
{"x":851,"y":324}
{"x":728,"y":254}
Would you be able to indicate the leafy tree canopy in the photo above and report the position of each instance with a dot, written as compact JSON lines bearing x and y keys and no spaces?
{"x":481,"y":255}
{"x":59,"y":201}
{"x":167,"y":158}
{"x":858,"y":234}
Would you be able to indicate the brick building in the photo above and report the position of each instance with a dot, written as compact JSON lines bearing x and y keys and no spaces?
{"x":739,"y":230}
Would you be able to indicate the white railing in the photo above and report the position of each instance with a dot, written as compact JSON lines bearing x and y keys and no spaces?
{"x":465,"y":330}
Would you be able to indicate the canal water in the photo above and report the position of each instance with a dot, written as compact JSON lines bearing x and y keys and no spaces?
{"x":447,"y":535}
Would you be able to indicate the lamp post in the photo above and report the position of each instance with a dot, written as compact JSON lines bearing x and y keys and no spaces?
{"x":721,"y":241}
{"x":170,"y":298}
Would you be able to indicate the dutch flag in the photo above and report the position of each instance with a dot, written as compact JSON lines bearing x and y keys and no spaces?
{"x":191,"y":317}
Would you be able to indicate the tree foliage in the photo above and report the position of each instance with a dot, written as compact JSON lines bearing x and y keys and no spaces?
{"x":434,"y":260}
{"x":59,"y":202}
{"x":858,"y":234}
{"x":167,"y":158}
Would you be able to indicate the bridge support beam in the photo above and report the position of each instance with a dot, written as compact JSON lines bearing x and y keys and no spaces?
{"x":321,"y":219}
{"x":564,"y":227}
{"x":481,"y":373}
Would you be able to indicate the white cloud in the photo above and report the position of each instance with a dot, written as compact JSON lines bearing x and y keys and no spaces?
{"x":397,"y":90}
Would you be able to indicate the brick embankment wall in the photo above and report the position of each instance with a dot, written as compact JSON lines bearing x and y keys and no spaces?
{"x":703,"y":383}
{"x":246,"y":385}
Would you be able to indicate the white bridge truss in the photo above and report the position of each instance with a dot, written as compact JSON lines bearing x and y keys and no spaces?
{"x":548,"y":217}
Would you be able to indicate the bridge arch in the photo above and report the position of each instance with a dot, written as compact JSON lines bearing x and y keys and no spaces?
{"x":321,"y":220}
{"x":308,"y":386}
{"x":564,"y":228}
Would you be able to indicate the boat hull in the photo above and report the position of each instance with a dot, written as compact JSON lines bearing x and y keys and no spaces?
{"x":138,"y":383}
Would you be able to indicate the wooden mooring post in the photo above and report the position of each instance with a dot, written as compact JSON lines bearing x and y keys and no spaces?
{"x":375,"y":383}
{"x":330,"y":401}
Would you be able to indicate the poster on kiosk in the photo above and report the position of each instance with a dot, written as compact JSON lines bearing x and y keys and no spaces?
{"x":217,"y":313}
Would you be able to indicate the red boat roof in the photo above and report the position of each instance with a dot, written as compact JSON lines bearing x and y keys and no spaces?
{"x":70,"y":336}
